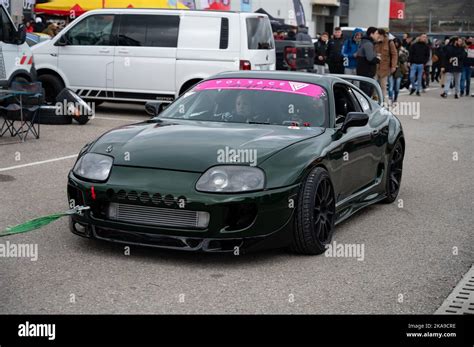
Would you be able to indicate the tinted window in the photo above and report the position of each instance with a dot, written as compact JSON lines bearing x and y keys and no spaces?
{"x":92,"y":31}
{"x":149,"y":31}
{"x":6,"y":28}
{"x":259,"y":33}
{"x":239,"y":103}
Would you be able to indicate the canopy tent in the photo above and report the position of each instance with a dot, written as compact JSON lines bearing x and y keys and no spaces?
{"x":78,"y":7}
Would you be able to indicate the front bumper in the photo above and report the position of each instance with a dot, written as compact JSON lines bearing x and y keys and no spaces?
{"x":247,"y":221}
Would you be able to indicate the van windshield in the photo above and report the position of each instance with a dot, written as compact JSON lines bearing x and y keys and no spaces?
{"x":253,"y":101}
{"x":259,"y":33}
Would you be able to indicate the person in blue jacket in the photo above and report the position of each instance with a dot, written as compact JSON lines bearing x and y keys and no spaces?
{"x":349,"y":52}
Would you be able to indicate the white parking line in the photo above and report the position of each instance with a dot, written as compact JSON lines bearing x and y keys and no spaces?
{"x":37,"y":163}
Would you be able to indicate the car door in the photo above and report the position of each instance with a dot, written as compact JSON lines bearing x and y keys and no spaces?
{"x":85,"y":55}
{"x":145,"y":57}
{"x":354,"y":152}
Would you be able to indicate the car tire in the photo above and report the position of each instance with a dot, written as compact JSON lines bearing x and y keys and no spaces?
{"x":315,"y":214}
{"x":49,"y":116}
{"x":52,"y":87}
{"x":394,"y":173}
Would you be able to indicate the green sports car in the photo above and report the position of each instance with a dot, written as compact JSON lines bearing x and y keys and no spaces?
{"x":242,"y":161}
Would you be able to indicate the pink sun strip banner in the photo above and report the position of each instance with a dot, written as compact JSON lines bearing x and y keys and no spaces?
{"x":291,"y":87}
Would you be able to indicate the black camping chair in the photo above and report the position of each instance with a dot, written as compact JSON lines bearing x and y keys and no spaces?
{"x":24,"y":107}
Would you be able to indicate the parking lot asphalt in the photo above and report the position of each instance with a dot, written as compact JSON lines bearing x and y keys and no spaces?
{"x":414,"y":254}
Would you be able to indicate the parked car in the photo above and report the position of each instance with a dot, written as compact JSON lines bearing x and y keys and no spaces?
{"x":244,"y":159}
{"x":151,"y":54}
{"x":16,"y":59}
{"x":35,"y":38}
{"x":294,"y":55}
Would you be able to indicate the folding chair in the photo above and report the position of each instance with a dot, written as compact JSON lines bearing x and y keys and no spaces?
{"x":29,"y":108}
{"x":8,"y":113}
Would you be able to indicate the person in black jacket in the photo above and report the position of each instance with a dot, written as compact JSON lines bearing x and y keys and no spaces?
{"x":335,"y":57}
{"x":453,"y":64}
{"x":367,"y":58}
{"x":321,"y":53}
{"x":419,"y":56}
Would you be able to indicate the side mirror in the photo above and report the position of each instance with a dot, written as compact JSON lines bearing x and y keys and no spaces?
{"x":154,"y":108}
{"x":62,"y":41}
{"x":20,"y":35}
{"x":355,"y":119}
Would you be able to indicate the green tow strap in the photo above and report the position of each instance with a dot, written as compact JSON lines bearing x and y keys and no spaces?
{"x":41,"y":221}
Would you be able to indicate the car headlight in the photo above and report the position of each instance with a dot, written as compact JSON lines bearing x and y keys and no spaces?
{"x":93,"y":166}
{"x":231,"y":179}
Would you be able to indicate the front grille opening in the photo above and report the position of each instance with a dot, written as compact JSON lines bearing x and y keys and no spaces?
{"x":169,"y":200}
{"x":144,"y":197}
{"x":122,"y":195}
{"x":75,"y":196}
{"x":224,"y":245}
{"x":240,"y":216}
{"x":148,"y":239}
{"x":157,"y":199}
{"x":132,"y":196}
{"x":156,"y":216}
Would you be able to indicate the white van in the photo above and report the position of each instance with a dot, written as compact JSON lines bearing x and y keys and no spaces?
{"x":16,"y":59}
{"x":148,"y":54}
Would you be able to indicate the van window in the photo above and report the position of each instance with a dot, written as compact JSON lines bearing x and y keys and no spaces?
{"x":200,"y":33}
{"x":6,"y":28}
{"x":149,"y":31}
{"x":259,"y":33}
{"x":93,"y":31}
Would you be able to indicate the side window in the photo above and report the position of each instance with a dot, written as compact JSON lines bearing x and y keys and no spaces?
{"x":149,"y":31}
{"x":364,"y":103}
{"x":92,"y":31}
{"x":6,"y":29}
{"x":343,"y":102}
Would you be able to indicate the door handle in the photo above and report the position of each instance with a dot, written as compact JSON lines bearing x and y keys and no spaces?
{"x":104,"y":50}
{"x":124,"y":51}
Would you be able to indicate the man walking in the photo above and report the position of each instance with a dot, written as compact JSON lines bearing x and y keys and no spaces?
{"x":335,"y":58}
{"x":453,"y":65}
{"x":419,"y":55}
{"x":367,"y":59}
{"x":388,"y":53}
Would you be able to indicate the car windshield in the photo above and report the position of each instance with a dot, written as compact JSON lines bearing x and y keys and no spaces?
{"x":254,"y":101}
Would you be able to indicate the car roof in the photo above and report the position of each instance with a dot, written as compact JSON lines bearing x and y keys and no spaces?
{"x":322,"y":80}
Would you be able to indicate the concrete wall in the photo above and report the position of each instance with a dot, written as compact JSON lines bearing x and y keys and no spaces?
{"x":365,"y":13}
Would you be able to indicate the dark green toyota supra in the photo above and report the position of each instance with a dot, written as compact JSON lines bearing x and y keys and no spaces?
{"x":242,"y":161}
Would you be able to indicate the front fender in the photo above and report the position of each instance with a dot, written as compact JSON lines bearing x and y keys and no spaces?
{"x":290,"y":165}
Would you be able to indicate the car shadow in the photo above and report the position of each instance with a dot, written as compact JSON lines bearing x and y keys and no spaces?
{"x":188,"y":258}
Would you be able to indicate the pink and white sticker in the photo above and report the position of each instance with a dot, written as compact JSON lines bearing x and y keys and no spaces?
{"x":291,"y":87}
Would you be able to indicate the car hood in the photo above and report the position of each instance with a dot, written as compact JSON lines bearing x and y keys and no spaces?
{"x":195,"y":146}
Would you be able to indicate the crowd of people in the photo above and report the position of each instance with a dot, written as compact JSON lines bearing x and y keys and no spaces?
{"x":37,"y":26}
{"x":410,"y":62}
